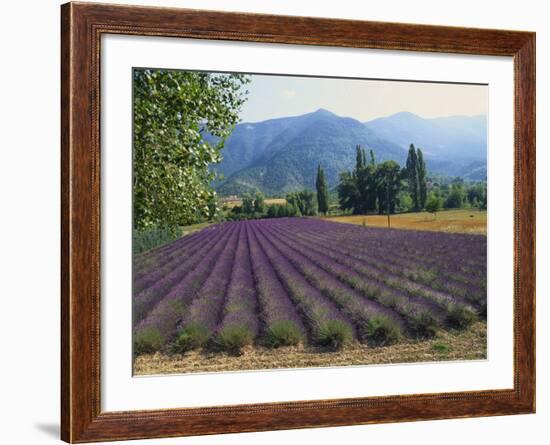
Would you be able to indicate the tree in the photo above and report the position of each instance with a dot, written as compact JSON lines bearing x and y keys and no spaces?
{"x":287,"y":210}
{"x":456,"y":197}
{"x":404,"y":201}
{"x":413,"y":177}
{"x":389,"y":186}
{"x":477,"y":195}
{"x":370,"y":184}
{"x":433,"y":204}
{"x":308,"y":207}
{"x":359,"y":158}
{"x":259,"y":204}
{"x":303,"y":201}
{"x":372,"y":158}
{"x":173,"y":111}
{"x":348,"y":195}
{"x":363,"y":181}
{"x":322,"y":191}
{"x":422,"y":186}
{"x":272,"y":211}
{"x":248,"y":205}
{"x":357,"y":190}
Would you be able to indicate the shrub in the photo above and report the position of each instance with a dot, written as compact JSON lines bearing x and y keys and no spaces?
{"x":433,"y":204}
{"x":423,"y":325}
{"x":147,"y":341}
{"x":147,"y":239}
{"x":334,"y":334}
{"x":283,"y":333}
{"x":441,"y":348}
{"x":381,"y":330}
{"x":460,"y":316}
{"x":272,"y":211}
{"x":233,"y":338}
{"x":190,"y":337}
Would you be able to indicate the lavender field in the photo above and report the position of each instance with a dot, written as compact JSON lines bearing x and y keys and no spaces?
{"x":277,"y":282}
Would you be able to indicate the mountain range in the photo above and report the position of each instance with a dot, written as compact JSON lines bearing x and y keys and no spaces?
{"x":281,"y":155}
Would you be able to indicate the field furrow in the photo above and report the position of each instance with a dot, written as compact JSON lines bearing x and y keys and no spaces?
{"x":152,"y":257}
{"x":352,"y":303}
{"x":163,"y":319}
{"x":285,"y":281}
{"x":167,"y":264}
{"x":394,"y":276}
{"x":281,"y":322}
{"x":147,"y":298}
{"x":441,"y":277}
{"x":202,"y":315}
{"x":319,"y":313}
{"x":464,"y":255}
{"x":240,"y":323}
{"x":467,"y":249}
{"x":409,"y":307}
{"x":358,"y":274}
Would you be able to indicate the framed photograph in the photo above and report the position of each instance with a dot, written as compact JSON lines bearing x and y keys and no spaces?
{"x":274,"y":222}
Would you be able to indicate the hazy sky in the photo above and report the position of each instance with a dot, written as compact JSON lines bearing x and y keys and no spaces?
{"x":278,"y":96}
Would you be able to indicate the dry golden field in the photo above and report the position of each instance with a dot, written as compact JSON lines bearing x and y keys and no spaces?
{"x":278,"y":201}
{"x":447,"y":345}
{"x":458,"y":221}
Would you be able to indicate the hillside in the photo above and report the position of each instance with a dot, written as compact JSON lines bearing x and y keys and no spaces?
{"x":288,"y":160}
{"x":278,"y":156}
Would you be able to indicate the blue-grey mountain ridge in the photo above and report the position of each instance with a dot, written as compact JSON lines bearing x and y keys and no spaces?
{"x":281,"y":155}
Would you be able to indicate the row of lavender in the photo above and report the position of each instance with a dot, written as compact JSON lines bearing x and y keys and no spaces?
{"x":289,"y":280}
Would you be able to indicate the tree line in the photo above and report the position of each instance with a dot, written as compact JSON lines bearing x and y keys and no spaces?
{"x":373,"y":186}
{"x":387,"y":188}
{"x":302,"y":203}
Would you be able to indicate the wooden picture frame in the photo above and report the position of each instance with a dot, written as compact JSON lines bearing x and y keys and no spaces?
{"x":82,"y":25}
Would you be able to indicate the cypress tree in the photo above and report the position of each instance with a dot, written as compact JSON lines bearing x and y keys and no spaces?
{"x":322,"y":192}
{"x":372,"y":158}
{"x":422,"y":187}
{"x":358,"y":158}
{"x":412,"y":176}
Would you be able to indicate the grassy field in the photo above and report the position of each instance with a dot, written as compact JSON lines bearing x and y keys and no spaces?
{"x":446,"y":346}
{"x":458,"y":221}
{"x":187,"y":230}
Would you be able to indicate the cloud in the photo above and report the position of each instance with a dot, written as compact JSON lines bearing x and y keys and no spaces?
{"x":289,"y":93}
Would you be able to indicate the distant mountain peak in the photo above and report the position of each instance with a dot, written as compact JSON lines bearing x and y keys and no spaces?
{"x":401,"y":116}
{"x":325,"y":112}
{"x":404,"y":114}
{"x":446,"y":138}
